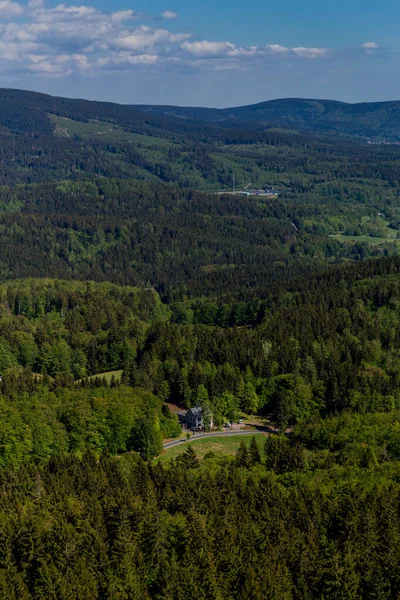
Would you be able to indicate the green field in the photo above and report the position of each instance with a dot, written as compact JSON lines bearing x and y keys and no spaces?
{"x":380,"y":225}
{"x":373,"y":241}
{"x":219,"y":445}
{"x":108,"y":375}
{"x":109,"y":132}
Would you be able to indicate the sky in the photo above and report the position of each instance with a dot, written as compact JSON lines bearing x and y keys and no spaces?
{"x":210,"y":53}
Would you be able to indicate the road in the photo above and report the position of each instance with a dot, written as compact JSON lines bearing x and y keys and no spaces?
{"x":198,"y":436}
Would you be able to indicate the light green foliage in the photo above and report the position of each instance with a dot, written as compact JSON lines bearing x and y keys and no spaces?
{"x":16,"y":439}
{"x":146,"y":438}
{"x":225,"y":408}
{"x":7,"y":358}
{"x":56,"y":358}
{"x":250,"y":401}
{"x":201,"y":398}
{"x":291,"y":399}
{"x":54,"y":327}
{"x":215,"y":446}
{"x":38,"y":426}
{"x":26,"y":347}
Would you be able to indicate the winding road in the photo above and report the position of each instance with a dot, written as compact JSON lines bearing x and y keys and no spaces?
{"x":198,"y":436}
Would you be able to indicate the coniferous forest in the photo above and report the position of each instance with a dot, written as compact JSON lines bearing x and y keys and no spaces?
{"x":133,"y":285}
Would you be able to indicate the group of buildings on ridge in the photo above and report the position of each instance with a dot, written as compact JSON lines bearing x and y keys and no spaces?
{"x":264,"y":192}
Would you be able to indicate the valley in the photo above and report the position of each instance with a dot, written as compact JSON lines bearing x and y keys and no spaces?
{"x":239,"y":263}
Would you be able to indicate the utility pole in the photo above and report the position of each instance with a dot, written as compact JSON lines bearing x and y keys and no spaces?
{"x":233,"y":182}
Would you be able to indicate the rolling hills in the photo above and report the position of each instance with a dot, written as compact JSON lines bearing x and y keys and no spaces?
{"x":127,"y":284}
{"x":276,"y":143}
{"x":92,"y":190}
{"x":29,"y":111}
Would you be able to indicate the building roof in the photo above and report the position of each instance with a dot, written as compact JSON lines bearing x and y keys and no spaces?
{"x":197,"y":411}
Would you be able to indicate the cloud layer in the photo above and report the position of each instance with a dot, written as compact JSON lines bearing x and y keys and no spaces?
{"x":65,"y":39}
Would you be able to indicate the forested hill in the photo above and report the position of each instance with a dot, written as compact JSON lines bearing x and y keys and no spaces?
{"x":286,"y":144}
{"x":92,"y":190}
{"x":368,"y":119}
{"x":132,"y":285}
{"x":30,"y":112}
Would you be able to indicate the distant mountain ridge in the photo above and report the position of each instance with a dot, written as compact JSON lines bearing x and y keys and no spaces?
{"x":367,"y":119}
{"x":28,"y":111}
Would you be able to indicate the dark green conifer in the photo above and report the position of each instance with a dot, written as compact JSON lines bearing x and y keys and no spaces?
{"x":254,"y":453}
{"x":242,"y":455}
{"x":189,"y":458}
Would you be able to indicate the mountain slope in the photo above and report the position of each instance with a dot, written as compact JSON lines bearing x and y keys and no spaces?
{"x":376,"y":120}
{"x":276,"y":143}
{"x":28,"y":111}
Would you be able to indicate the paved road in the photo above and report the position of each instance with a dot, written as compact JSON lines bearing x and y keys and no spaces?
{"x":198,"y":436}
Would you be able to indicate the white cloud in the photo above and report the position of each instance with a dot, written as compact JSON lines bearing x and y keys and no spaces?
{"x":146,"y":37}
{"x":277,"y":49}
{"x":205,"y":48}
{"x":125,"y":60}
{"x":10,"y":9}
{"x":63,"y":13}
{"x":311,"y":52}
{"x":123,"y":15}
{"x":370,"y":46}
{"x":12,"y":52}
{"x":67,"y":38}
{"x":35,"y":4}
{"x":169,"y":14}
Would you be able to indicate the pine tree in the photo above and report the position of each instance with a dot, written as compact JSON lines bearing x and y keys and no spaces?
{"x":254,"y":453}
{"x":274,"y":450}
{"x":189,"y":458}
{"x":242,"y":456}
{"x":129,"y":373}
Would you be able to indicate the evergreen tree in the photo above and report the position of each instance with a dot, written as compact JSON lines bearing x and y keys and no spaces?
{"x":276,"y":450}
{"x":254,"y":453}
{"x":189,"y":459}
{"x":242,"y":456}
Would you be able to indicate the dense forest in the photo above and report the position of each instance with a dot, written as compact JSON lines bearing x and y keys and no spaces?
{"x":316,"y":517}
{"x":329,"y":346}
{"x":28,"y":111}
{"x":133,"y":285}
{"x":296,"y":145}
{"x":183,"y":242}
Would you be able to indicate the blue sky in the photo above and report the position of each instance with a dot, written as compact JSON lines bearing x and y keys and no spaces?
{"x":211,"y":53}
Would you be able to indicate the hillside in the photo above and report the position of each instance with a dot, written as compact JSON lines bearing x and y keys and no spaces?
{"x":370,"y":120}
{"x":281,"y":143}
{"x":379,"y":120}
{"x":133,"y":283}
{"x":99,"y":191}
{"x":376,"y":120}
{"x":92,"y":190}
{"x":29,"y":111}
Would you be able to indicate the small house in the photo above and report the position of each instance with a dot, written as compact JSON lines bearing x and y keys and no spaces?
{"x":194,"y":418}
